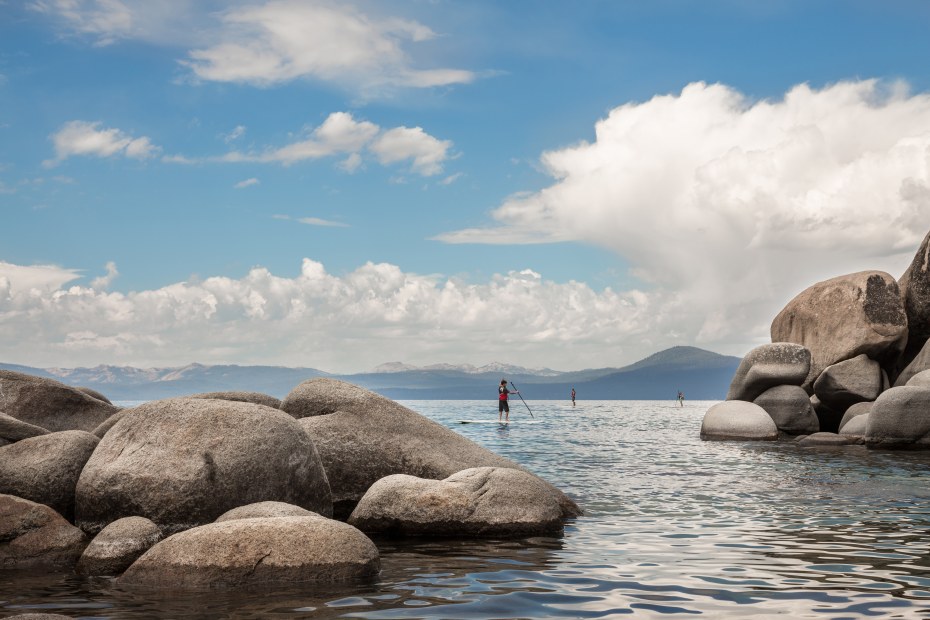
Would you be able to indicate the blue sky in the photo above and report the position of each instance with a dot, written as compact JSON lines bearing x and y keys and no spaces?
{"x":337,"y":185}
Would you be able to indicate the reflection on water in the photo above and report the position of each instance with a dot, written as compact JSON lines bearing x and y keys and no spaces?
{"x":673,"y":526}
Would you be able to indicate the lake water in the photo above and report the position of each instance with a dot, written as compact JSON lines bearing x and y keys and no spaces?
{"x":674,"y":527}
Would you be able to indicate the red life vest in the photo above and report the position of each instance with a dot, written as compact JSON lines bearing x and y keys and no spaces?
{"x":503,"y":393}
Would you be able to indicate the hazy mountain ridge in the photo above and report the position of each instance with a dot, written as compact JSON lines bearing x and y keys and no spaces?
{"x":699,"y":373}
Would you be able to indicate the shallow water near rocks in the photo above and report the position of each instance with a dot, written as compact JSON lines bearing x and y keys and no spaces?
{"x":673,"y":527}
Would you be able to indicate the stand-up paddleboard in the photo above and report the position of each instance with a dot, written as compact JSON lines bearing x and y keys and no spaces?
{"x":496,"y":422}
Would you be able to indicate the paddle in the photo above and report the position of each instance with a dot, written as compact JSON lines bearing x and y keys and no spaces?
{"x":521,"y":398}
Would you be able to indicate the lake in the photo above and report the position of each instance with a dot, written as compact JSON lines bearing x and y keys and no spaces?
{"x":673,"y":527}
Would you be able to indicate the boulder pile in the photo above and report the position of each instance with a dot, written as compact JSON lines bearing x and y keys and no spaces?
{"x":846,"y":365}
{"x":235,"y":489}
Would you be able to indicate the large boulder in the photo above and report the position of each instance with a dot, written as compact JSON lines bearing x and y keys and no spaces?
{"x":34,"y":536}
{"x":736,"y":420}
{"x":118,"y":545}
{"x":249,"y":552}
{"x":14,"y":430}
{"x":45,"y":469}
{"x":900,"y":419}
{"x":363,"y":437}
{"x":859,"y":409}
{"x":846,"y":383}
{"x":50,"y":404}
{"x":264,"y":509}
{"x":915,"y":294}
{"x":243,"y":397}
{"x":790,"y":408}
{"x":482,"y":501}
{"x":838,"y":319}
{"x":767,"y":366}
{"x":184,"y":462}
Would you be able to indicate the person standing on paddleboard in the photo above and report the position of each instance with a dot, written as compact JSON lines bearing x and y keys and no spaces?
{"x":573,"y":397}
{"x":502,"y":404}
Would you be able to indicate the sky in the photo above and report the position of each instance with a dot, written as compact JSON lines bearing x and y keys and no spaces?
{"x":337,"y":185}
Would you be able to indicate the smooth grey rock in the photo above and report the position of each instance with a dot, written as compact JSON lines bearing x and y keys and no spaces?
{"x":45,"y":469}
{"x":243,"y":397}
{"x":248,"y":552}
{"x":738,"y":420}
{"x":264,"y":509}
{"x":915,"y":293}
{"x":363,"y":437}
{"x":846,"y":383}
{"x":110,"y":422}
{"x":900,"y":419}
{"x":482,"y":501}
{"x":93,"y":393}
{"x":769,"y":365}
{"x":856,"y":427}
{"x":921,"y":379}
{"x":34,"y":536}
{"x":14,"y":430}
{"x":855,"y":411}
{"x":840,"y":318}
{"x":118,"y":545}
{"x":826,"y":439}
{"x":50,"y":404}
{"x":184,"y":462}
{"x":790,"y":408}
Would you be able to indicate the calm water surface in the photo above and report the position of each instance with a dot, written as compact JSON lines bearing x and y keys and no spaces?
{"x":674,"y":527}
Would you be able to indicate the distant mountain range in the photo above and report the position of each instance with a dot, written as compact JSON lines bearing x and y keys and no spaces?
{"x":700,"y":374}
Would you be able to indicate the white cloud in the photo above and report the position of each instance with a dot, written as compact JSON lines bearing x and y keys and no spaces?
{"x":247,"y":183}
{"x":105,"y":20}
{"x":103,"y":282}
{"x":237,"y":132}
{"x":342,"y":134}
{"x":88,"y":139}
{"x":275,"y":42}
{"x":402,"y":143}
{"x":315,"y":221}
{"x":338,"y":323}
{"x":34,"y":280}
{"x":728,"y":207}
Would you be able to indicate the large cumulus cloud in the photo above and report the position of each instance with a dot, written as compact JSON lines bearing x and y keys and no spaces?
{"x":726,"y":207}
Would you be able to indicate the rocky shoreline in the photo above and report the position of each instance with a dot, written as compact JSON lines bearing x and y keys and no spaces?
{"x":239,"y":489}
{"x":849,"y":363}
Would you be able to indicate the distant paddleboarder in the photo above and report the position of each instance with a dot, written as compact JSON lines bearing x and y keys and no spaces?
{"x":573,"y":397}
{"x":681,"y":398}
{"x":502,"y":405}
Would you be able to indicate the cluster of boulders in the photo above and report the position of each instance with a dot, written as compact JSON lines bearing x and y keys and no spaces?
{"x":849,"y":363}
{"x":239,"y":488}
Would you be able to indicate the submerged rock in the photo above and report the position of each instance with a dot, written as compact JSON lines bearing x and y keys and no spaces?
{"x":483,"y":501}
{"x":184,"y":462}
{"x":735,"y":420}
{"x":826,"y":439}
{"x":249,"y":552}
{"x":118,"y":545}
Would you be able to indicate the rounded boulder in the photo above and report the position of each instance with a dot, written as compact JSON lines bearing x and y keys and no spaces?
{"x":256,"y":398}
{"x":33,"y":536}
{"x":846,"y":316}
{"x":14,"y":430}
{"x":790,"y":408}
{"x":900,"y":419}
{"x":851,"y":381}
{"x":855,"y":411}
{"x":363,"y":437}
{"x":251,"y":552}
{"x":184,"y":462}
{"x":767,"y":366}
{"x":738,"y":420}
{"x":118,"y":545}
{"x":45,"y":469}
{"x":263,"y":510}
{"x":482,"y":501}
{"x":825,"y":439}
{"x":50,"y":404}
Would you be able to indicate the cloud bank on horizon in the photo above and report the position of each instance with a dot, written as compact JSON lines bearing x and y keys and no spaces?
{"x":722,"y":205}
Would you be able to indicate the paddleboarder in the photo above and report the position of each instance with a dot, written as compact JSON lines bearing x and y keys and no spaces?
{"x":502,"y":405}
{"x":681,"y":398}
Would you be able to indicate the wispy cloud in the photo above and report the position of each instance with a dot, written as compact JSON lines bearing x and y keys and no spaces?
{"x":275,"y":42}
{"x":246,"y":183}
{"x":104,"y":20}
{"x":312,"y":221}
{"x":84,"y":138}
{"x":237,"y":132}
